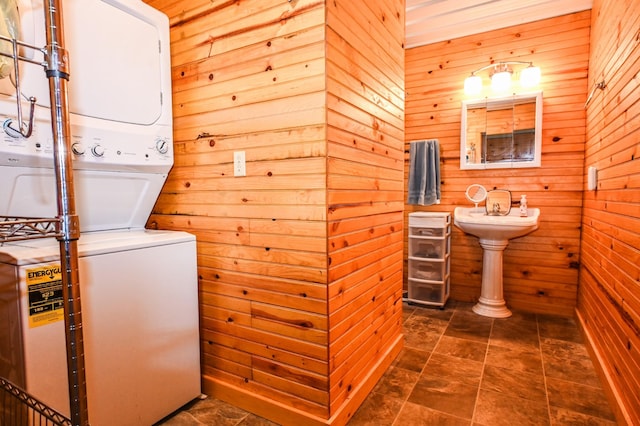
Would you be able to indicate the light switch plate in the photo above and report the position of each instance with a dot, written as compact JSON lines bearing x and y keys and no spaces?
{"x":239,"y":164}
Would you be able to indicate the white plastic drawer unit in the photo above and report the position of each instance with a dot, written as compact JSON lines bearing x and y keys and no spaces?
{"x":429,"y":247}
{"x":418,"y":231}
{"x":430,"y":220}
{"x":427,"y":271}
{"x":428,"y":293}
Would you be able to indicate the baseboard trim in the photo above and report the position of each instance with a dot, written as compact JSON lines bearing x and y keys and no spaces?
{"x":619,"y":411}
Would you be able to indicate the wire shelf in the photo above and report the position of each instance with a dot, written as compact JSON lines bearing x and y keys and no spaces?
{"x":28,"y":228}
{"x":19,"y":408}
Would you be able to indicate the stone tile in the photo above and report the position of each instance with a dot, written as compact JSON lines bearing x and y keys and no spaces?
{"x":411,"y":359}
{"x":563,"y":348}
{"x":422,"y":332}
{"x":564,"y":417}
{"x":568,"y":361}
{"x":445,"y":395}
{"x":579,"y":398}
{"x":461,"y":348}
{"x":529,"y":361}
{"x":426,"y":323}
{"x":183,"y":418}
{"x":468,"y":325}
{"x":422,"y":340}
{"x":518,"y":316}
{"x":560,"y":328}
{"x":459,"y":305}
{"x":454,"y":369}
{"x":207,"y":412}
{"x":497,"y":409}
{"x":518,"y":332}
{"x":407,"y":311}
{"x":441,"y":314}
{"x":376,"y":410}
{"x":253,"y":420}
{"x":418,"y":415}
{"x":397,"y":383}
{"x":515,"y":383}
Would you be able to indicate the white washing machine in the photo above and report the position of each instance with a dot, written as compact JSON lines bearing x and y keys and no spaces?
{"x":140,"y":323}
{"x":138,"y":287}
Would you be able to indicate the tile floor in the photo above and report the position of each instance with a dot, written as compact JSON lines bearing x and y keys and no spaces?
{"x":458,"y":368}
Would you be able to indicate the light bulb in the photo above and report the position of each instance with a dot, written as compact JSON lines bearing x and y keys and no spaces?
{"x":501,"y":81}
{"x":530,"y":77}
{"x":473,"y":85}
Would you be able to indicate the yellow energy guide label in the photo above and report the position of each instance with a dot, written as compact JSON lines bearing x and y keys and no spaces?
{"x":44,"y":288}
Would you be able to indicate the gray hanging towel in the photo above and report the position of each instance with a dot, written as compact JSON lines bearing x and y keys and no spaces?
{"x":424,"y":172}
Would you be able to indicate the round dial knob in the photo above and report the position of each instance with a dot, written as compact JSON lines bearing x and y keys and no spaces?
{"x":97,"y":150}
{"x":77,"y":149}
{"x":8,"y":129}
{"x":162,"y":146}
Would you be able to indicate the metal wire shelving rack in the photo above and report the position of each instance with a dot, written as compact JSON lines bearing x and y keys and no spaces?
{"x":65,"y":227}
{"x":19,"y":408}
{"x":28,"y":228}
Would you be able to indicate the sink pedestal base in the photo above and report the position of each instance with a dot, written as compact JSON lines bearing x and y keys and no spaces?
{"x":491,"y":302}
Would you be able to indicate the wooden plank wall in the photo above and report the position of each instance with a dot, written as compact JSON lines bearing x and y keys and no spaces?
{"x":609,"y":296}
{"x":300,"y":262}
{"x":365,"y":110}
{"x":541,"y":269}
{"x":250,"y":76}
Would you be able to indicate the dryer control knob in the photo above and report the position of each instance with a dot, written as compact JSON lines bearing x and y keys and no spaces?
{"x":97,"y":150}
{"x":162,"y":146}
{"x":77,"y":149}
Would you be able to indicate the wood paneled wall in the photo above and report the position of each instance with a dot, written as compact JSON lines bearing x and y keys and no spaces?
{"x":300,"y":262}
{"x":609,"y":297}
{"x":540,"y":269}
{"x":365,"y":134}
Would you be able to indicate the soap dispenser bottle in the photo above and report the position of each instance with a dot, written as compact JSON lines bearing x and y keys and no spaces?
{"x":523,"y":205}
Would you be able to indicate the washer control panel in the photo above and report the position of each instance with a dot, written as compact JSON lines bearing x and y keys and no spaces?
{"x":146,"y":149}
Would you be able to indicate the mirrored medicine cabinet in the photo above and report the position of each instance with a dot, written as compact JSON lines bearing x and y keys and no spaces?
{"x":501,"y":133}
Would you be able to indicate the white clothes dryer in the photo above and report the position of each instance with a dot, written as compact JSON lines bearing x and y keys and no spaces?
{"x":119,"y":112}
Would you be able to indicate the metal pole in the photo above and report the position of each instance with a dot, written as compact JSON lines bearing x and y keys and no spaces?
{"x":57,"y":72}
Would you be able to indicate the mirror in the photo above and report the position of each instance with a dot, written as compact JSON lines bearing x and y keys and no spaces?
{"x":498,"y":202}
{"x":501,"y":132}
{"x":476,"y":194}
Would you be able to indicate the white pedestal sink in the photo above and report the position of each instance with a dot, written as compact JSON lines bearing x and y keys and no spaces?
{"x":494,"y":233}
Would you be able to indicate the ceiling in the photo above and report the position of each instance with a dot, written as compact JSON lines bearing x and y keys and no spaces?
{"x":429,"y":21}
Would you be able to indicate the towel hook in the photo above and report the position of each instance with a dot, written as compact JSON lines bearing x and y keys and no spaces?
{"x":23,"y":129}
{"x":600,"y":85}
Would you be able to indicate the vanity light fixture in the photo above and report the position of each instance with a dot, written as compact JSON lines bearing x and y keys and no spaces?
{"x":501,"y":74}
{"x":501,"y":78}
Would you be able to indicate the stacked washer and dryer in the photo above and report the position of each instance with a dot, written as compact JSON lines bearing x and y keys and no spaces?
{"x":138,"y":287}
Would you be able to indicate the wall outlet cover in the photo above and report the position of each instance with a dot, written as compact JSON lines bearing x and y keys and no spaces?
{"x":239,"y":164}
